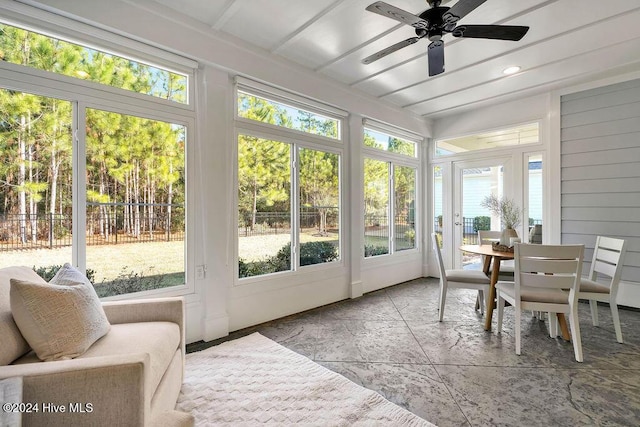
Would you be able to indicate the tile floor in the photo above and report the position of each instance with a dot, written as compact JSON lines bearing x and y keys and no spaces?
{"x":455,"y":374}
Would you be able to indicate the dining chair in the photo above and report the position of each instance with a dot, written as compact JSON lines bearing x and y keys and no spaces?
{"x":487,"y":237}
{"x":459,"y":278}
{"x":608,"y":256}
{"x":547,"y":279}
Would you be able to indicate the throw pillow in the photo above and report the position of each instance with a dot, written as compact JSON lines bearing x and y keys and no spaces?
{"x":58,"y":321}
{"x":68,"y":275}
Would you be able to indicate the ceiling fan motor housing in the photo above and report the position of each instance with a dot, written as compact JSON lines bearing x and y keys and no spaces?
{"x":434,"y":17}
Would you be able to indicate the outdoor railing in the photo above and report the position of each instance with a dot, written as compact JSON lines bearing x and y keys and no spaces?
{"x":107,"y":223}
{"x":266,"y":223}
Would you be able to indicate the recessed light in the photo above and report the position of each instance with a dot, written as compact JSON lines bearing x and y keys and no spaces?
{"x":511,"y":70}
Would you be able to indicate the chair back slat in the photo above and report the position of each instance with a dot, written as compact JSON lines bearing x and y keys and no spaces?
{"x":604,"y":268}
{"x":548,"y":265}
{"x":551,"y":251}
{"x":607,"y":255}
{"x":610,"y":243}
{"x":545,"y":281}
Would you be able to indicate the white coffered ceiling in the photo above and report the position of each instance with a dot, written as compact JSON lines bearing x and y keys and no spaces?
{"x":569,"y":41}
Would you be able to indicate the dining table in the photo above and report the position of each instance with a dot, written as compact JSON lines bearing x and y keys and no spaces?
{"x":494,"y":257}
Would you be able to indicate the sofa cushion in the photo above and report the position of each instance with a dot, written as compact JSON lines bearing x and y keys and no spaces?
{"x":58,"y":322}
{"x":13,"y":343}
{"x":158,"y":339}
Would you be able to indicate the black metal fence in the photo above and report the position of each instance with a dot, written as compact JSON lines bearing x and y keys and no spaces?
{"x":107,"y":223}
{"x":378,"y":226}
{"x":323,"y":220}
{"x":34,"y":231}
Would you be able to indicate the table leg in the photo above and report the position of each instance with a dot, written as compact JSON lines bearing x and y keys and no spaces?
{"x":564,"y":328}
{"x":486,"y":264}
{"x":492,"y":291}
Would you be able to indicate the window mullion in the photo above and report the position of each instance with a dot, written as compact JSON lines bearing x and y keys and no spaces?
{"x":391,"y":209}
{"x":295,"y":208}
{"x":79,"y":190}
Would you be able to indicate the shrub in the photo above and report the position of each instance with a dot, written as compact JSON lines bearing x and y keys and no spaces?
{"x":129,"y":282}
{"x":48,"y":272}
{"x":310,"y":253}
{"x":411,"y":236}
{"x":372,"y":250}
{"x":317,"y":253}
{"x":481,"y":223}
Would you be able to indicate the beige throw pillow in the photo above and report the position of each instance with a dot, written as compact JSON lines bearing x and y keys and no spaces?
{"x":68,"y":275}
{"x":58,"y":322}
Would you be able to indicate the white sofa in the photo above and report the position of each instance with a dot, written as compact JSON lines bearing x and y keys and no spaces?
{"x":131,"y":376}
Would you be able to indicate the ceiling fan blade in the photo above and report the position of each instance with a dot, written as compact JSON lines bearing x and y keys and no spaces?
{"x":384,"y":9}
{"x":435,"y":54}
{"x":460,"y":10}
{"x":390,"y":49}
{"x":500,"y":32}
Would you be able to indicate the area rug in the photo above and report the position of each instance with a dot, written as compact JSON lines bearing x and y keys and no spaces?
{"x":254,"y":381}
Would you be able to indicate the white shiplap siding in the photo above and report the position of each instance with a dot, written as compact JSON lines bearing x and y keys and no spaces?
{"x":600,"y":160}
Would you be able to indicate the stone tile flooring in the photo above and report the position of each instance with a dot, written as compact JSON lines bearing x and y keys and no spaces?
{"x":454,"y":373}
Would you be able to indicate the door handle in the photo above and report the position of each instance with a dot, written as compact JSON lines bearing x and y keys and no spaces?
{"x":458,"y":223}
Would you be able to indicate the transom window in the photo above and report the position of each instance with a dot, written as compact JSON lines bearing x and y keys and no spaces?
{"x":276,"y":113}
{"x":392,"y":144}
{"x":32,"y":49}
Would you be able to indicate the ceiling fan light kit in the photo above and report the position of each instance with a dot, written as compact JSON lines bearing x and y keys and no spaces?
{"x":436,"y":21}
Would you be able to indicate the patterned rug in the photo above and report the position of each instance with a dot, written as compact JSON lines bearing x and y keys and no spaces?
{"x":254,"y":380}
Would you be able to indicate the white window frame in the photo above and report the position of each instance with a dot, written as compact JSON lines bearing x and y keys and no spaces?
{"x":395,"y":159}
{"x":296,"y":139}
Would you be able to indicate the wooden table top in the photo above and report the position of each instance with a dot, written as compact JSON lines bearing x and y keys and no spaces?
{"x":485,"y":250}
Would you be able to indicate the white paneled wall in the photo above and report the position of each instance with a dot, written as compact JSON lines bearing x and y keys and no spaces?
{"x":600,"y":165}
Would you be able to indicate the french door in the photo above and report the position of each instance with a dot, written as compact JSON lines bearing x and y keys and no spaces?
{"x":472,"y":182}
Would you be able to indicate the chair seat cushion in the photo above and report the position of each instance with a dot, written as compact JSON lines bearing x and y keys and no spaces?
{"x":158,"y":339}
{"x":467,"y":276}
{"x":587,"y":285}
{"x":528,"y":294}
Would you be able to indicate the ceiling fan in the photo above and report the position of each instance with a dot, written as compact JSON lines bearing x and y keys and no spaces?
{"x":436,"y":21}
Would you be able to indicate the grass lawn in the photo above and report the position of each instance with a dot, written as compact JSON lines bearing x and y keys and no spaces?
{"x":111,"y":261}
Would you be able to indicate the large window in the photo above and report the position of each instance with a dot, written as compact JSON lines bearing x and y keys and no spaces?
{"x":288,"y":187}
{"x":99,"y":187}
{"x":389,"y":193}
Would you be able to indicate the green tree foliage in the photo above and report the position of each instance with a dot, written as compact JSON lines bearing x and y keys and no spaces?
{"x":376,"y":187}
